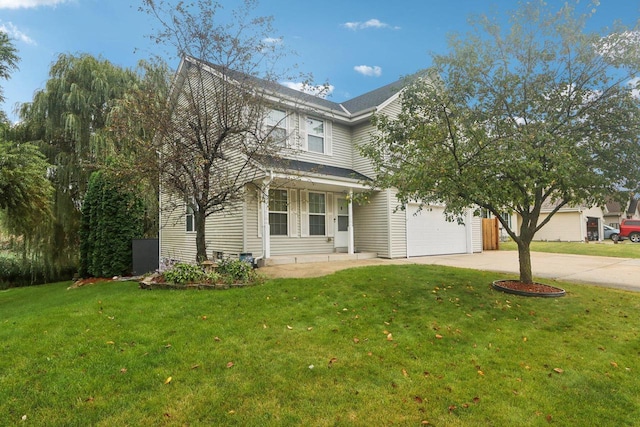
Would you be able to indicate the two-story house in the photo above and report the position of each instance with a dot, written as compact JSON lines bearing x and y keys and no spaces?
{"x":303,"y":204}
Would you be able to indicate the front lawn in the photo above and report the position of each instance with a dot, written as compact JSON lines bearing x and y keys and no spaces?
{"x":401,"y":345}
{"x":625,"y":249}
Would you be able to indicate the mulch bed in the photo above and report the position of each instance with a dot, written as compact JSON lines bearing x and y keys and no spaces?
{"x":528,"y":289}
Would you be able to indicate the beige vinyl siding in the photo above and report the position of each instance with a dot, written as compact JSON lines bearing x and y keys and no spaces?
{"x":564,"y":227}
{"x":393,"y":109}
{"x":361,"y":136}
{"x":568,"y":225}
{"x":397,"y":227}
{"x":224,"y":230}
{"x":340,"y":135}
{"x":175,"y":241}
{"x":476,"y":230}
{"x":252,"y":239}
{"x":371,"y":225}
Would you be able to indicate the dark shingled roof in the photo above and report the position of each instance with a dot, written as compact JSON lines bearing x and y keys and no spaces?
{"x":374,"y":98}
{"x":317,"y":168}
{"x":353,"y":106}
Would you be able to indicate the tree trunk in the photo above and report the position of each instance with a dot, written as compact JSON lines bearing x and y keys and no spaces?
{"x":524,"y":255}
{"x":201,"y":247}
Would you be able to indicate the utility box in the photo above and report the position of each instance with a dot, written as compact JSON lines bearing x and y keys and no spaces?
{"x":146,"y":256}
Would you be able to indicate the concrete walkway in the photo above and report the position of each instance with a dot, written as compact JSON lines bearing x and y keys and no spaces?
{"x":621,"y":273}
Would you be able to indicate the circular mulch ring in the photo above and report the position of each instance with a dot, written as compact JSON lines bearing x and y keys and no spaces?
{"x":528,"y":289}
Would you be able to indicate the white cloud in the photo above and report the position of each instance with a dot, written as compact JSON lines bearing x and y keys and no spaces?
{"x":26,"y":4}
{"x":15,"y":33}
{"x":371,"y":23}
{"x":271,"y":40}
{"x":367,"y":70}
{"x":321,"y":91}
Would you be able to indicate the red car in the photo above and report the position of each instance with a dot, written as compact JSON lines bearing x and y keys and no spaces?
{"x":630,"y":228}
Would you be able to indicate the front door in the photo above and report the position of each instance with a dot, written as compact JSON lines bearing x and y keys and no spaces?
{"x":342,"y":223}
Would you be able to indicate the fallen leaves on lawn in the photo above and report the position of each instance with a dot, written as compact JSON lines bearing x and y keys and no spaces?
{"x":558,"y":370}
{"x":230,"y":365}
{"x":168,"y":380}
{"x":332,"y":361}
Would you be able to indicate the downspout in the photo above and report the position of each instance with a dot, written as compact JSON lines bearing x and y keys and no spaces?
{"x":350,"y":244}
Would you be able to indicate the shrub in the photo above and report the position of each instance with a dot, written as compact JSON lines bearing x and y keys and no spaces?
{"x":16,"y":272}
{"x":235,"y":270}
{"x":183,"y":273}
{"x":112,"y":215}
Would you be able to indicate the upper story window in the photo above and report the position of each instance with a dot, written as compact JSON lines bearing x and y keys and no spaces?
{"x":278,"y":212}
{"x":315,"y":135}
{"x":276,"y":123}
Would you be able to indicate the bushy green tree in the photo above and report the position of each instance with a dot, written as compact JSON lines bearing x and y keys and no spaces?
{"x":112,"y":216}
{"x":70,"y":120}
{"x":541,"y":113}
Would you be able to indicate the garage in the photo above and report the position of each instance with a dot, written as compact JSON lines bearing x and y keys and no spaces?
{"x":429,"y":233}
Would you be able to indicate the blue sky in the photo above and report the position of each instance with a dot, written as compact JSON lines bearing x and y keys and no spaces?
{"x":354,"y":45}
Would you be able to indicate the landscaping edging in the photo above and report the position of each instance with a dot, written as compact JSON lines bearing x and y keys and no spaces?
{"x":529,"y":290}
{"x":192,"y":286}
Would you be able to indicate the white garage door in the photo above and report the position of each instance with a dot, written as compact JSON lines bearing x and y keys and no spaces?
{"x":429,"y":233}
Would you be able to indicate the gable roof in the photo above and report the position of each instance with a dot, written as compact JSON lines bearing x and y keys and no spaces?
{"x":615,"y":208}
{"x":350,"y":109}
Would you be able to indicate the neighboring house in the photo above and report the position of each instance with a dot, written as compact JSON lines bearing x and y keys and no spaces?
{"x":571,"y":224}
{"x":614,"y":213}
{"x":305,"y":204}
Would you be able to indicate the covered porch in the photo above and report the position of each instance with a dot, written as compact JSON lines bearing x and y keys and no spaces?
{"x":305,"y":214}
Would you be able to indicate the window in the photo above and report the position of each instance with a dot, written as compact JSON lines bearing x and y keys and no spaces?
{"x":507,"y":218}
{"x":317,"y":211}
{"x":278,"y":218}
{"x":190,"y":219}
{"x":276,"y":122}
{"x":315,"y":135}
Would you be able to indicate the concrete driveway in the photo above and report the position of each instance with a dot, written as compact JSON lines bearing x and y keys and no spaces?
{"x":621,"y":273}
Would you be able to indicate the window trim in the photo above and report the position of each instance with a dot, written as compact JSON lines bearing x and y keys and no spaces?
{"x":189,"y":219}
{"x":316,"y":214}
{"x":270,"y":124}
{"x":314,"y":134}
{"x":304,"y":133}
{"x":284,"y":212}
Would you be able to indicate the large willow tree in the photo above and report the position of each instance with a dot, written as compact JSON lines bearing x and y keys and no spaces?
{"x":8,"y":59}
{"x":512,"y":119}
{"x":70,"y":119}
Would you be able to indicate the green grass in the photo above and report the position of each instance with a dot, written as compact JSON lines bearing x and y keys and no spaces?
{"x":624,"y":249}
{"x":317,"y":352}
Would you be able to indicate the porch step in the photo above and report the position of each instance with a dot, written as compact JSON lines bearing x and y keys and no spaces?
{"x":303,"y":259}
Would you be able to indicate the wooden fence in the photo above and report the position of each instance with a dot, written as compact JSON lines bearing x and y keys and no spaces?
{"x":490,"y":234}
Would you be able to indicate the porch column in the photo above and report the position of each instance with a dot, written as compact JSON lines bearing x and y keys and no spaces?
{"x":350,"y":244}
{"x":266,"y":229}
